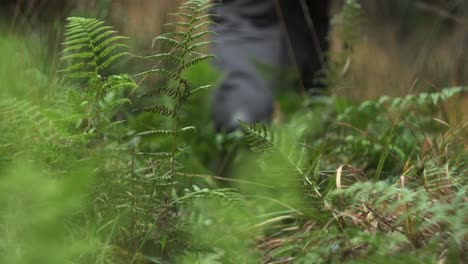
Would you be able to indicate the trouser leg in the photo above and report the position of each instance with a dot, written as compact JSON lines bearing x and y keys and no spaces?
{"x":306,"y":24}
{"x":247,"y":34}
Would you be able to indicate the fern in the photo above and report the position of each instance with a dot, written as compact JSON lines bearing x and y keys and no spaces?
{"x":262,"y":139}
{"x":149,"y":190}
{"x":26,"y":131}
{"x":417,"y":204}
{"x":91,"y":48}
{"x":418,"y":212}
{"x":388,"y":131}
{"x":184,"y":53}
{"x":419,"y":100}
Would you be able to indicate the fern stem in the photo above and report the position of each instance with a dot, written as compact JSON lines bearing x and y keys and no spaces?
{"x":176,"y":114}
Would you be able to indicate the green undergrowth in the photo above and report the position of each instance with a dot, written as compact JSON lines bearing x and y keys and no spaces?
{"x":112,"y":167}
{"x":369,"y":182}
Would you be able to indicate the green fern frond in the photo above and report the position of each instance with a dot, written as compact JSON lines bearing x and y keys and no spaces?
{"x":74,"y":67}
{"x":196,"y":46}
{"x":415,"y":102}
{"x":178,"y":24}
{"x":201,"y":88}
{"x":190,"y":8}
{"x":105,"y":34}
{"x":151,"y":93}
{"x":197,"y":60}
{"x":109,"y":50}
{"x":186,"y":90}
{"x":91,"y":47}
{"x":100,"y":30}
{"x":412,"y":211}
{"x":25,"y":130}
{"x":199,"y":35}
{"x":259,"y":137}
{"x":164,"y":72}
{"x":165,"y":132}
{"x":167,"y":56}
{"x":156,"y":132}
{"x":177,"y":61}
{"x":422,"y":99}
{"x":77,"y":41}
{"x":200,"y":18}
{"x":201,"y":25}
{"x":177,"y":34}
{"x":172,"y":42}
{"x":104,"y":47}
{"x":108,"y":62}
{"x":159,"y":109}
{"x":163,"y":155}
{"x":302,"y":157}
{"x":87,"y":75}
{"x":75,"y":47}
{"x":114,"y":82}
{"x":172,"y":93}
{"x":262,"y":139}
{"x":205,"y":7}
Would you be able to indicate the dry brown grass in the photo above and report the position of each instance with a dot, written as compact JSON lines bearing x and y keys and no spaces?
{"x":383,"y":64}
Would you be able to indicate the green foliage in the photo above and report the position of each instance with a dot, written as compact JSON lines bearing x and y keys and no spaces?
{"x":182,"y":56}
{"x":340,"y":181}
{"x":37,"y":214}
{"x":346,"y":211}
{"x":24,"y":70}
{"x":91,"y":48}
{"x":391,"y":129}
{"x":32,"y":131}
{"x":283,"y":142}
{"x":140,"y":187}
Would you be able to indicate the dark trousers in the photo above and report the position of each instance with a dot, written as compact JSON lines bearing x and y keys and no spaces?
{"x":254,"y":34}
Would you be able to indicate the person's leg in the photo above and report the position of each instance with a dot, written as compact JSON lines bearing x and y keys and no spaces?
{"x":306,"y":24}
{"x":247,"y":34}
